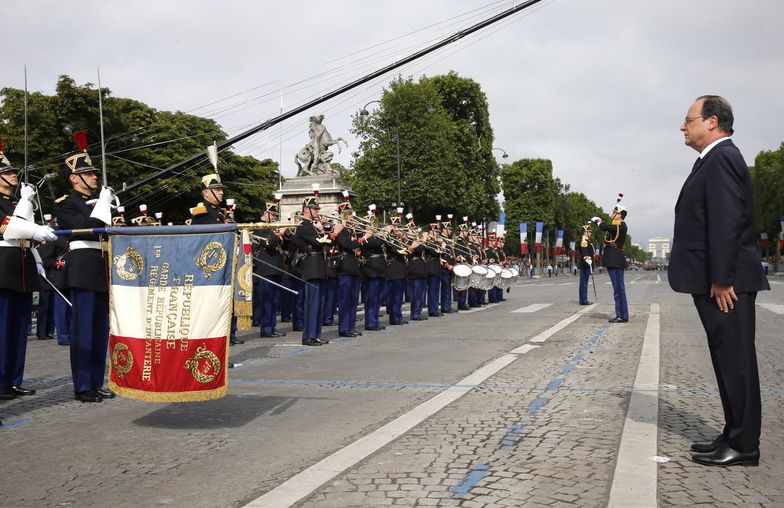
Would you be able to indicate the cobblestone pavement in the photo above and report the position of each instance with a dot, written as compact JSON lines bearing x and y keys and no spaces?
{"x":543,"y":431}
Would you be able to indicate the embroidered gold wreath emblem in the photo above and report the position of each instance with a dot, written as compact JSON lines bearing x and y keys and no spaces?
{"x":122,"y":359}
{"x":211,"y":259}
{"x":245,"y":282}
{"x":130,"y":264}
{"x":204,"y":365}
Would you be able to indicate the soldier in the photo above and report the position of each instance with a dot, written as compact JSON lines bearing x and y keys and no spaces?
{"x":585,"y":260}
{"x":463,"y":251}
{"x":18,"y":277}
{"x":209,"y":212}
{"x":330,"y":292}
{"x":614,"y":259}
{"x":87,"y":274}
{"x":417,"y":272}
{"x":396,"y":274}
{"x":311,"y":242}
{"x":447,"y":264}
{"x":348,"y":270}
{"x":433,"y":265}
{"x":375,"y":273}
{"x":270,"y":266}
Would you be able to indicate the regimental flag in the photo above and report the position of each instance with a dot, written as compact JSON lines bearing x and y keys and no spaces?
{"x":538,"y":238}
{"x":243,"y":289}
{"x":170,"y":313}
{"x":559,"y":233}
{"x":523,"y":238}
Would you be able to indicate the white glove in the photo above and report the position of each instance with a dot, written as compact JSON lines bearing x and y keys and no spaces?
{"x":44,"y":234}
{"x":596,"y":219}
{"x":24,"y":208}
{"x":27,"y":192}
{"x":589,"y":261}
{"x":103,"y":207}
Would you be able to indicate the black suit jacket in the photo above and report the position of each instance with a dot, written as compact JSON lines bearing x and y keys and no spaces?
{"x":713,"y":242}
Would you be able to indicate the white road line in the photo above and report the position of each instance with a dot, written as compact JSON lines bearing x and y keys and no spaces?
{"x":638,"y":278}
{"x":304,"y":483}
{"x":635,"y":478}
{"x":477,"y":309}
{"x":566,"y":283}
{"x":658,"y":278}
{"x":774,"y":281}
{"x":560,"y":325}
{"x":528,"y":309}
{"x":773,"y":307}
{"x":608,"y":283}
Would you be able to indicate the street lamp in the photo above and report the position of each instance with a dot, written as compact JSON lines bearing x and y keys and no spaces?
{"x":505,"y":155}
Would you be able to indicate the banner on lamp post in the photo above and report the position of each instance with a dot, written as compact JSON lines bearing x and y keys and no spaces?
{"x":523,"y":238}
{"x":559,"y":234}
{"x":538,"y":237}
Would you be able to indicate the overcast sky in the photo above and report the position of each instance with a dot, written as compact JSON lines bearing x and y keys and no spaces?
{"x":599,"y":87}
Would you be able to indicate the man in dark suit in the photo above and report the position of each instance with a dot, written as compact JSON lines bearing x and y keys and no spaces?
{"x":715,"y":259}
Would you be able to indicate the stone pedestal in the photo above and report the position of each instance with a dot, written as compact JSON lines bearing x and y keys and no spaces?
{"x":296,"y":189}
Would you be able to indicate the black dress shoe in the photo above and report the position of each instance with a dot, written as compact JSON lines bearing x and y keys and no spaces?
{"x":7,"y":394}
{"x":296,"y":329}
{"x":236,"y":341}
{"x":356,"y":332}
{"x":419,"y":318}
{"x":449,"y":311}
{"x":708,"y":446}
{"x":328,"y":324}
{"x":397,"y":323}
{"x":285,"y":321}
{"x":273,"y":334}
{"x":586,"y":303}
{"x":105,"y":393}
{"x":311,"y":342}
{"x":45,"y":337}
{"x":376,"y":328}
{"x":347,"y":334}
{"x":89,"y":396}
{"x":320,"y":342}
{"x":434,"y":315}
{"x":726,"y":456}
{"x":18,"y":390}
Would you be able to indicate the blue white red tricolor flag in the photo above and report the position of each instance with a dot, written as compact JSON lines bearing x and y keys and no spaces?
{"x":559,"y":235}
{"x":538,"y":239}
{"x":523,"y":238}
{"x":170,"y":314}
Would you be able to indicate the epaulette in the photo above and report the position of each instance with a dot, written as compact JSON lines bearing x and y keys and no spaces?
{"x":199,"y":209}
{"x":61,"y":198}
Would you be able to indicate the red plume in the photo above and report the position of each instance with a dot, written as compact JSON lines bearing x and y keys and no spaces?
{"x":2,"y":147}
{"x":81,"y":139}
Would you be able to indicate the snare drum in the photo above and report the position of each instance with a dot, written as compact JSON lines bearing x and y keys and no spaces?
{"x":478,"y":274}
{"x":462,"y":273}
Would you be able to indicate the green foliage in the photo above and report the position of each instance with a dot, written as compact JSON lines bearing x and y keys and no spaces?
{"x":445,"y":142}
{"x":529,"y":196}
{"x":767,"y":177}
{"x":139,"y":141}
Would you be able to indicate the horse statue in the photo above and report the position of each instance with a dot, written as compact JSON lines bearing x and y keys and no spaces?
{"x":314,"y":158}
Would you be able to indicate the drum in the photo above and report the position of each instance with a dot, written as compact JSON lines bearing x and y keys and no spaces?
{"x":478,"y":273}
{"x":506,"y":278}
{"x":489,"y":280}
{"x":496,"y":269}
{"x":462,"y":273}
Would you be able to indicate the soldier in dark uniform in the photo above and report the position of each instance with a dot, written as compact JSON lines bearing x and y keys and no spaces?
{"x":491,"y":255}
{"x":270,"y":266}
{"x":209,"y":212}
{"x":311,"y":242}
{"x":87,"y":275}
{"x":18,"y":277}
{"x":375,"y":273}
{"x":463,"y":251}
{"x":614,"y":259}
{"x":417,"y":272}
{"x":348,"y":270}
{"x":448,"y":263}
{"x":585,"y":261}
{"x":330,"y":292}
{"x":433,"y":264}
{"x":396,"y":275}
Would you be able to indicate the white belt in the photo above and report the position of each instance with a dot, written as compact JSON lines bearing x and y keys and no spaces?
{"x":84,"y":244}
{"x":15,"y":243}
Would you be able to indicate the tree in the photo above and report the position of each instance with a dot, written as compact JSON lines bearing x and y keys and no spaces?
{"x":767,"y":177}
{"x":139,"y":140}
{"x":529,"y":196}
{"x":445,"y":140}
